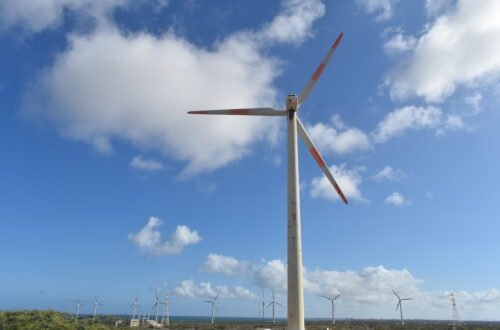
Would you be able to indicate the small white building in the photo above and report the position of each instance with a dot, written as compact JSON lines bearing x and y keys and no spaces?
{"x":134,"y":323}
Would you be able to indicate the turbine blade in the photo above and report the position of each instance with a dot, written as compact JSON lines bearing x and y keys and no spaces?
{"x":399,"y":303}
{"x":269,"y":305}
{"x":277,"y":303}
{"x":317,"y":157}
{"x":396,"y":294}
{"x":407,"y":299}
{"x":327,"y":297}
{"x":241,"y":112}
{"x":305,"y":92}
{"x":336,"y":297}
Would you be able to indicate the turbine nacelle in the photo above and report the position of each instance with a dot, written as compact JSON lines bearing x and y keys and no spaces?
{"x":292,"y":102}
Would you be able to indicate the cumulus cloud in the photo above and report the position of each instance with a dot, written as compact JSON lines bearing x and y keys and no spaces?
{"x":216,"y":263}
{"x":349,"y":181}
{"x":293,"y":23}
{"x":400,"y":120}
{"x":337,"y":137}
{"x":399,"y":43}
{"x":34,"y":16}
{"x":188,"y":288}
{"x":370,"y":285}
{"x":458,"y":48}
{"x":383,"y":8}
{"x":140,"y":163}
{"x":137,"y":87}
{"x":435,"y":7}
{"x":149,"y":239}
{"x":396,"y":199}
{"x":388,"y":173}
{"x":271,"y":275}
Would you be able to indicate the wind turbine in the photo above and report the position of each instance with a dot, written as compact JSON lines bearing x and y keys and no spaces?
{"x":263,"y":306}
{"x":273,"y":303}
{"x":400,"y":305}
{"x":78,"y":304}
{"x":333,"y":306}
{"x":293,"y":102}
{"x":157,"y":304}
{"x":134,"y":304}
{"x":213,"y":305}
{"x":96,"y":303}
{"x":165,"y":311}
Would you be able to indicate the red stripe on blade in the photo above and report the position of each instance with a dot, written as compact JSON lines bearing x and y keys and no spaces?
{"x":239,"y":111}
{"x":318,"y":72}
{"x":341,"y":194}
{"x":337,"y":42}
{"x":317,"y":157}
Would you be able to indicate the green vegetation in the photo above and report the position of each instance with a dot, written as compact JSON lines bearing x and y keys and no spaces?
{"x":45,"y":320}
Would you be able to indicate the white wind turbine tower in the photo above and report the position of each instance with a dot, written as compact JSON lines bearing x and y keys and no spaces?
{"x":332,"y":299}
{"x":273,"y":303}
{"x":213,"y":306}
{"x":78,"y":304}
{"x":400,"y":305}
{"x":96,"y":303}
{"x":166,"y":316}
{"x":134,"y":305}
{"x":293,"y":102}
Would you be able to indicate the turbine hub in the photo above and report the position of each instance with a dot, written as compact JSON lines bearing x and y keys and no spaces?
{"x":292,"y":102}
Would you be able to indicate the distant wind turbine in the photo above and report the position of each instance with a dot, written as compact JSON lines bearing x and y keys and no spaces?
{"x":295,"y":126}
{"x":134,"y":305}
{"x":78,"y":304}
{"x":96,"y":303}
{"x":332,"y":299}
{"x":166,"y":316}
{"x":400,"y":305}
{"x":157,"y":304}
{"x":273,"y":303}
{"x":213,"y":306}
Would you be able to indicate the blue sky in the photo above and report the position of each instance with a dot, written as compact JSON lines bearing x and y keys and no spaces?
{"x":110,"y":189}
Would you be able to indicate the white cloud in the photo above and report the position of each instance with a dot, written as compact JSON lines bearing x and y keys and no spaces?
{"x":396,"y":199}
{"x":149,"y":239}
{"x":400,"y":120}
{"x":337,"y":137}
{"x":370,"y":285}
{"x":140,"y":163}
{"x":458,"y":48}
{"x":362,"y":289}
{"x":34,"y":16}
{"x":293,"y":23}
{"x":383,"y":8}
{"x":188,"y":288}
{"x":388,"y":173}
{"x":435,"y":7}
{"x":216,"y":263}
{"x":271,"y":275}
{"x":137,"y":87}
{"x":399,"y":43}
{"x":349,"y":181}
{"x":474,"y":101}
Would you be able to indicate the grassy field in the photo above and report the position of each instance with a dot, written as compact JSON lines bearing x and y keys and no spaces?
{"x":42,"y":320}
